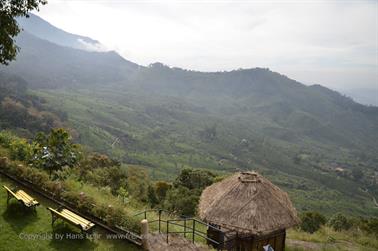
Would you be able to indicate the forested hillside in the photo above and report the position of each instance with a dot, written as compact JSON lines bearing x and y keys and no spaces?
{"x":318,"y":145}
{"x":25,"y":113}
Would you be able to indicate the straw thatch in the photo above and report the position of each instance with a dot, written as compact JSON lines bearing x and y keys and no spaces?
{"x":247,"y":203}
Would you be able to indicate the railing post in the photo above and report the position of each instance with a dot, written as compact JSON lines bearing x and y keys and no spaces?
{"x":194,"y":227}
{"x":167,"y":229}
{"x":144,"y":230}
{"x":159,"y":220}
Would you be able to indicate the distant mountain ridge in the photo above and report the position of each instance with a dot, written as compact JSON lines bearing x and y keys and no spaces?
{"x":44,"y":30}
{"x":57,"y":66}
{"x":246,"y":92}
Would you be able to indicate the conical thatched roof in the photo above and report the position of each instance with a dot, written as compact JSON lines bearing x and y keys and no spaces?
{"x":247,"y":203}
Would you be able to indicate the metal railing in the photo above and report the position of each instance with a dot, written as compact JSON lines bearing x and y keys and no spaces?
{"x":191,"y":226}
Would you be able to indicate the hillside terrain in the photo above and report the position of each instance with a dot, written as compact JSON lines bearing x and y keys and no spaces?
{"x":316,"y":144}
{"x":24,"y":113}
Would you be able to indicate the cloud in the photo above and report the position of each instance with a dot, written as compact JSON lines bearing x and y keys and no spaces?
{"x":93,"y":46}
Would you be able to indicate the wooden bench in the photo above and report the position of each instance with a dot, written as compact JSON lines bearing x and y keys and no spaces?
{"x":22,"y":197}
{"x":67,"y":215}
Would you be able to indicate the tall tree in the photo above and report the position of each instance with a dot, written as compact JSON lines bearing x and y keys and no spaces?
{"x":55,"y":151}
{"x":9,"y":29}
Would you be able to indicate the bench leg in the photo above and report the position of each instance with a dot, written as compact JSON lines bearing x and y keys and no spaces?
{"x":8,"y":198}
{"x":53,"y":219}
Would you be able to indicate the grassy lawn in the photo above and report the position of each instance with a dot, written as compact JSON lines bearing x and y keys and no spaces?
{"x":22,"y":229}
{"x":329,"y":240}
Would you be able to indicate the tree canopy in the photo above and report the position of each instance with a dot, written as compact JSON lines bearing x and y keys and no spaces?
{"x":9,"y":29}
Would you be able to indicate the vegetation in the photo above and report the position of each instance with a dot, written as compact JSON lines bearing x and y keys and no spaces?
{"x":311,"y":221}
{"x":339,"y":222}
{"x":9,"y":10}
{"x":22,"y":229}
{"x":326,"y":239}
{"x":101,"y":186}
{"x":309,"y":140}
{"x":23,"y":113}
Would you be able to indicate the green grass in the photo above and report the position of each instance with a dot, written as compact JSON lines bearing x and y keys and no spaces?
{"x":22,"y":230}
{"x":329,"y":240}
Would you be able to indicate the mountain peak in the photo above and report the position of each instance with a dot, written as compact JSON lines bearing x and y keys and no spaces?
{"x":44,"y":30}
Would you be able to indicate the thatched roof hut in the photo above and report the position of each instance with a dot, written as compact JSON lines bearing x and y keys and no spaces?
{"x":248,"y":204}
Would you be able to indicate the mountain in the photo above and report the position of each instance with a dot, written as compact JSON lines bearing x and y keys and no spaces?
{"x":54,"y":65}
{"x":44,"y":30}
{"x":307,"y":139}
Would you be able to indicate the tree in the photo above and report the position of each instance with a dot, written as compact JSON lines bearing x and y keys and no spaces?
{"x":137,"y":182}
{"x":182,"y":201}
{"x":194,"y":179}
{"x":122,"y":192}
{"x":162,"y":188}
{"x":339,"y":222}
{"x":9,"y":29}
{"x":151,"y":196}
{"x":312,"y":221}
{"x":54,"y":151}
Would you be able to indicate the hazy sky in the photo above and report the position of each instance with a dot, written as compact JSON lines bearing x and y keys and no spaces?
{"x":333,"y":43}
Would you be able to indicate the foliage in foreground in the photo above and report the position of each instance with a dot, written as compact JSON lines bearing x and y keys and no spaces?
{"x":9,"y":28}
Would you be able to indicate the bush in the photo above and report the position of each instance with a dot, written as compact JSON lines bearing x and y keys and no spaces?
{"x":20,"y":149}
{"x":372,"y":226}
{"x":71,"y":197}
{"x":54,"y":187}
{"x":339,"y":222}
{"x":37,"y":177}
{"x":85,"y":203}
{"x":100,"y":211}
{"x":311,"y":221}
{"x":115,"y":215}
{"x":4,"y":163}
{"x":6,"y":138}
{"x":132,"y":224}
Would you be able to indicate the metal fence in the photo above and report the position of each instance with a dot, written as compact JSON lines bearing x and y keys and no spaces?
{"x":191,"y":227}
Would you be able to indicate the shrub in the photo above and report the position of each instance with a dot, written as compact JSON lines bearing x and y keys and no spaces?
{"x":6,"y":138}
{"x":132,"y":224}
{"x":4,"y":163}
{"x":70,"y":196}
{"x":37,"y":177}
{"x":339,"y":222}
{"x":372,"y":226}
{"x":115,"y":215}
{"x":85,"y":203}
{"x":20,"y":149}
{"x":311,"y":221}
{"x":100,"y":211}
{"x":54,"y":187}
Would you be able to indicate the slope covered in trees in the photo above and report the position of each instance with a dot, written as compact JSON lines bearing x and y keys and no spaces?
{"x":23,"y":112}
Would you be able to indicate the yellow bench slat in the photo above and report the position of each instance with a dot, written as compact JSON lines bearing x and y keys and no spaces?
{"x":78,"y":217}
{"x":74,"y":218}
{"x":23,"y":196}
